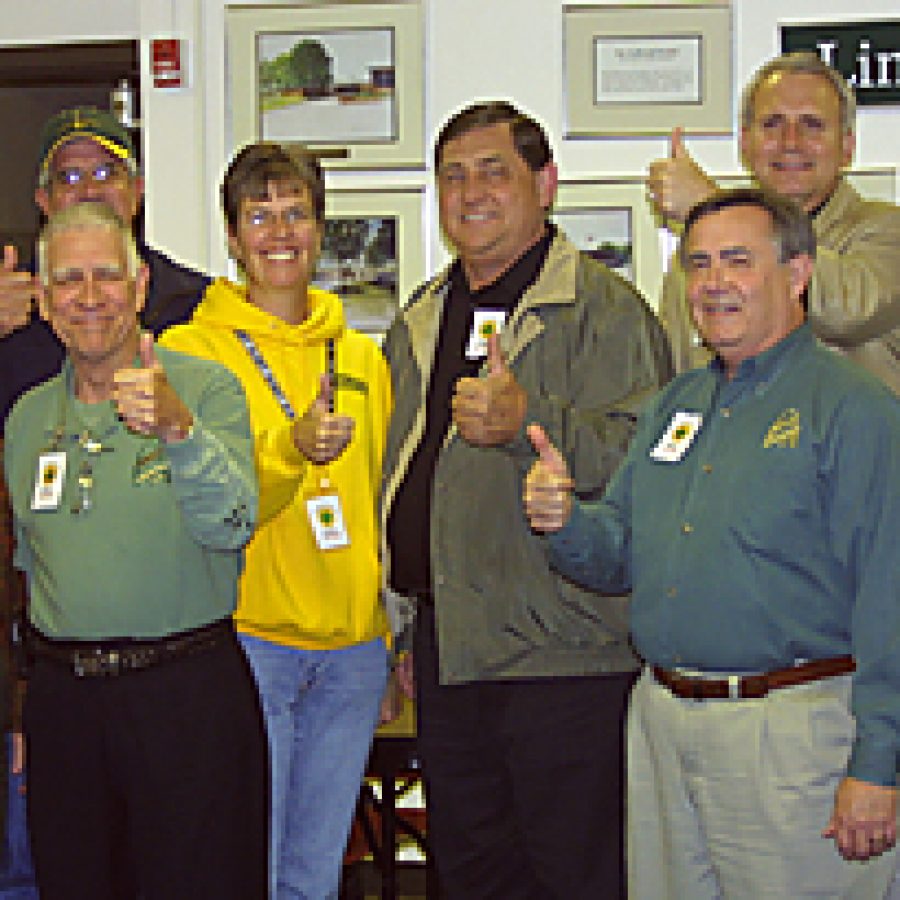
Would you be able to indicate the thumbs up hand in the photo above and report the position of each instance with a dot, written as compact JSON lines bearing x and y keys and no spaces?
{"x":319,"y":434}
{"x":548,"y":485}
{"x":489,"y":411}
{"x":17,"y":291}
{"x":677,"y":183}
{"x":146,"y":401}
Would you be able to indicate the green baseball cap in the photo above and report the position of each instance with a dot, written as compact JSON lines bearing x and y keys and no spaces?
{"x":89,"y":122}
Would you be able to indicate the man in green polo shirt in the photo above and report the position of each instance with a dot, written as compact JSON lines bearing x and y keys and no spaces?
{"x":755,"y":519}
{"x":133,"y":491}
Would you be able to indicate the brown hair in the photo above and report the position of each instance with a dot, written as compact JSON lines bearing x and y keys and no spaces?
{"x":792,"y":227}
{"x":257,"y":166}
{"x":528,"y":137}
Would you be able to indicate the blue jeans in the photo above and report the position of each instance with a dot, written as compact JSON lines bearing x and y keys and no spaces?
{"x":16,"y":869}
{"x":321,"y":708}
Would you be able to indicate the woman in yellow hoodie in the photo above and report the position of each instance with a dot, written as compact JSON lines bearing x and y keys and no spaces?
{"x":309,"y":616}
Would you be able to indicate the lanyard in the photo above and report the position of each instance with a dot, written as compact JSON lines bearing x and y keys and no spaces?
{"x":269,"y":376}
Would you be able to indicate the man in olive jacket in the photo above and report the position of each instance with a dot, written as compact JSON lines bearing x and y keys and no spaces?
{"x":519,"y":715}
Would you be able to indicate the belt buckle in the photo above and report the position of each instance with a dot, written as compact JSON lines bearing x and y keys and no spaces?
{"x":734,"y":687}
{"x":98,"y":663}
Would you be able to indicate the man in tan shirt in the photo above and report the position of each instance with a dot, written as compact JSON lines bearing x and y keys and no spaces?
{"x":797,"y":137}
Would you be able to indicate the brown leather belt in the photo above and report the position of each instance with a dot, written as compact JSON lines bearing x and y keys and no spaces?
{"x":746,"y":687}
{"x":88,"y":659}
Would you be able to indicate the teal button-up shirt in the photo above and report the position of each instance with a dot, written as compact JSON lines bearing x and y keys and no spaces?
{"x":772,"y":538}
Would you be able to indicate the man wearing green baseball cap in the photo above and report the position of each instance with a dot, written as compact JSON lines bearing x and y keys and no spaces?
{"x":84,"y":155}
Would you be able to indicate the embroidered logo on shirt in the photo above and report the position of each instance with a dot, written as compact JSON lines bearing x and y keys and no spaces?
{"x":238,"y":518}
{"x":784,"y":431}
{"x":342,"y":381}
{"x":151,"y":467}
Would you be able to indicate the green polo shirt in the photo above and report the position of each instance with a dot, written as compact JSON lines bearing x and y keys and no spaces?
{"x":160,"y":548}
{"x":772,"y":539}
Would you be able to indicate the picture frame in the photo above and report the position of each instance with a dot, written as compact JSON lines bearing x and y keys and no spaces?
{"x":611,"y":219}
{"x":373,"y":255}
{"x":344,"y":79}
{"x":642,"y":69}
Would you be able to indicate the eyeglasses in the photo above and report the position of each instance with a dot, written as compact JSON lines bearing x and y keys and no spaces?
{"x":107,"y":173}
{"x":77,"y":278}
{"x":292,"y":217}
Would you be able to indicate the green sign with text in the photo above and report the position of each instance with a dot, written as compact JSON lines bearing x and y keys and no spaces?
{"x":867,"y":54}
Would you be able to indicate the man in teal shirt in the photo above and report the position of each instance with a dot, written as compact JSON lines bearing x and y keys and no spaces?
{"x":133,"y":491}
{"x":755,"y":519}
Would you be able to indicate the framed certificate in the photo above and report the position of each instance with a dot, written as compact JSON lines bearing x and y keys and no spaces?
{"x":643,"y":69}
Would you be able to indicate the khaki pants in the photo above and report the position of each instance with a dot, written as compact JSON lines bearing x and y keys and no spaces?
{"x":728,"y":798}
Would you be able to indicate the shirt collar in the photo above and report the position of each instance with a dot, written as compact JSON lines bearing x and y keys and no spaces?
{"x":506,"y":290}
{"x":765,"y":366}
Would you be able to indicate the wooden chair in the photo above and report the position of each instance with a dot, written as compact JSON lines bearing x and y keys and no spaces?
{"x":379,"y":823}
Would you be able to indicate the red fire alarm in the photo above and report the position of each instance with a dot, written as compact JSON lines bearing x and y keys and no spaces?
{"x":165,"y":62}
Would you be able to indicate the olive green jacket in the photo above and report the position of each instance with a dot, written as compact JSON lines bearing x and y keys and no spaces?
{"x":588,"y":352}
{"x":854,"y":295}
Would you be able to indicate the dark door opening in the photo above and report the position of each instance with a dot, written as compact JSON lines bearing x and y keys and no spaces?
{"x":35,"y":82}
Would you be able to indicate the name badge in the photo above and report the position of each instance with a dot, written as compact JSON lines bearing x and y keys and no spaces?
{"x":485,"y":323}
{"x":678,"y":438}
{"x":48,"y":484}
{"x":327,"y":521}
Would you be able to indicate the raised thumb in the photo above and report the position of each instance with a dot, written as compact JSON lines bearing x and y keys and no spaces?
{"x":495,"y":359}
{"x":325,"y":395}
{"x":147,"y":351}
{"x":549,"y":455}
{"x":10,"y":257}
{"x":677,"y":150}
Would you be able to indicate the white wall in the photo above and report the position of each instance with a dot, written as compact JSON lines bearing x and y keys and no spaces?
{"x":48,"y":21}
{"x":474,"y":49}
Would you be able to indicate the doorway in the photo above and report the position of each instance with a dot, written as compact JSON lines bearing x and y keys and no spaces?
{"x":35,"y":82}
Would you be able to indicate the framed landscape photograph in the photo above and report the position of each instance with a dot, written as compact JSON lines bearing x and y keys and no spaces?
{"x":602,"y":231}
{"x":327,"y":87}
{"x":344,"y":79}
{"x":611,"y":220}
{"x":639,"y":69}
{"x":372,"y":253}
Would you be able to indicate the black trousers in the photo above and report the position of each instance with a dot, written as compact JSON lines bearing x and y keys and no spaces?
{"x":151,"y":784}
{"x":525,"y":781}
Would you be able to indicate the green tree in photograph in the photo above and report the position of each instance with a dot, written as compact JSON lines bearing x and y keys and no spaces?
{"x":275,"y":74}
{"x":383,"y":248}
{"x":344,"y":239}
{"x":311,"y":66}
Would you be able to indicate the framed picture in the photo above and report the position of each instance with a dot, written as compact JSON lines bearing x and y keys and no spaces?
{"x":344,"y":79}
{"x":372,"y":252}
{"x":611,"y":220}
{"x":643,"y":69}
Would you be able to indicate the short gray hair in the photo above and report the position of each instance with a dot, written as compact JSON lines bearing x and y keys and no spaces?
{"x":82,"y":216}
{"x":802,"y":62}
{"x":791,"y":226}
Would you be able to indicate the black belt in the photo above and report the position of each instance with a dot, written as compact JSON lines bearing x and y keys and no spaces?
{"x":87,"y":659}
{"x":747,"y":687}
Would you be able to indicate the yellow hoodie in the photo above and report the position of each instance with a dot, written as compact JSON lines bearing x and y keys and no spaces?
{"x":291,"y":592}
